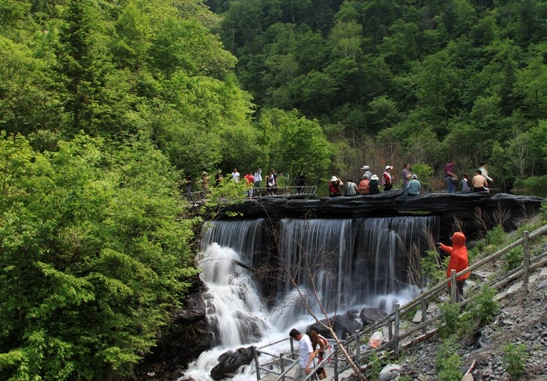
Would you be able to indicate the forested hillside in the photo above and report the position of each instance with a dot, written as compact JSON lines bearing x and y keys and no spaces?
{"x":105,"y":106}
{"x":392,"y":80}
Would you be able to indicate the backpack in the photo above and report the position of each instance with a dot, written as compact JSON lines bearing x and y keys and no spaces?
{"x":364,"y":187}
{"x":351,"y":189}
{"x":333,"y":188}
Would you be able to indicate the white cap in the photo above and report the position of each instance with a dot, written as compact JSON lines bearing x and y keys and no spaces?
{"x":365,"y":167}
{"x":415,"y":177}
{"x":334,"y":178}
{"x":388,"y":167}
{"x":374,"y":177}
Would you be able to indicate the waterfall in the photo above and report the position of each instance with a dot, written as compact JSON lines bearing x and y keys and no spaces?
{"x":331,"y":264}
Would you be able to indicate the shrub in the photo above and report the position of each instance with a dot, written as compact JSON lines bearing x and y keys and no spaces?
{"x":484,"y":306}
{"x":432,"y":271}
{"x":496,"y":236}
{"x":514,"y":359}
{"x":448,"y":362}
{"x":513,"y":258}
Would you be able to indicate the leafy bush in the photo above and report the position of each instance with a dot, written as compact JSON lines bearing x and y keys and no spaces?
{"x":496,"y":236}
{"x":448,"y":362}
{"x":375,"y":366}
{"x":432,"y":270}
{"x":513,"y":258}
{"x":533,"y":183}
{"x":94,"y":252}
{"x":484,"y":305}
{"x":514,"y":359}
{"x":453,"y":321}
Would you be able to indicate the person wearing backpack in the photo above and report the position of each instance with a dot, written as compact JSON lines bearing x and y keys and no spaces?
{"x":334,"y":186}
{"x":364,"y":185}
{"x":351,"y":188}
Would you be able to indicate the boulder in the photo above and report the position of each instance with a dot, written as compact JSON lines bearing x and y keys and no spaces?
{"x":343,"y":325}
{"x":371,"y":315}
{"x":229,"y":362}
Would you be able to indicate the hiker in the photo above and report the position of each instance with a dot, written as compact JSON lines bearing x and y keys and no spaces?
{"x":479,"y":182}
{"x":334,"y":186}
{"x":414,"y":186}
{"x":458,"y":261}
{"x":319,"y":345}
{"x":387,"y":180}
{"x":374,"y":185}
{"x":351,"y":188}
{"x":306,"y":354}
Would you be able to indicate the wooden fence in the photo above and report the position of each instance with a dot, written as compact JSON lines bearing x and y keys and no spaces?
{"x":284,"y":363}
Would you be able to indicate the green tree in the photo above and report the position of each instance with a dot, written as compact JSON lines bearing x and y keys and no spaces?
{"x":94,"y":253}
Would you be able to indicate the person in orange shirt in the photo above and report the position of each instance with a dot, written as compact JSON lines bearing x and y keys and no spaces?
{"x":458,"y":261}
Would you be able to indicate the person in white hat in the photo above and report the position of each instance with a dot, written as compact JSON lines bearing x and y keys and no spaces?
{"x":414,"y":186}
{"x":367,"y":172}
{"x":334,"y":186}
{"x":374,"y":185}
{"x":387,"y":180}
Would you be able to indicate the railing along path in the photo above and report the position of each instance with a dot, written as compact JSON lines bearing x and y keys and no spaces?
{"x":261,"y":192}
{"x":281,"y":364}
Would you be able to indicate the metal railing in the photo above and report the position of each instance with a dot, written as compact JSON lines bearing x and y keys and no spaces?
{"x":260,"y":192}
{"x":393,"y":320}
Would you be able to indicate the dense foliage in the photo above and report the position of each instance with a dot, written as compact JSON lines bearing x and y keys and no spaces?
{"x":106,"y":105}
{"x":425,"y":80}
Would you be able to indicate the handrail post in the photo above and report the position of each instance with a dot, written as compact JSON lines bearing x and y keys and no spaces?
{"x":424,"y":312}
{"x":526,"y":259}
{"x":397,"y":323}
{"x":292,"y":348}
{"x":453,"y":286}
{"x":257,"y":365}
{"x":389,"y":330}
{"x":282,"y":366}
{"x":357,"y":349}
{"x":335,"y":362}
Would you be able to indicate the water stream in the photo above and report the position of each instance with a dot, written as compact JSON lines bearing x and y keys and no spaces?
{"x":337,"y":264}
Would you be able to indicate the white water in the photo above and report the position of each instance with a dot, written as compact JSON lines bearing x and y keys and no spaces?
{"x":242,"y":318}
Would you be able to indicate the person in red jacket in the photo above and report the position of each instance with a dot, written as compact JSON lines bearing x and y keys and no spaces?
{"x":458,"y":261}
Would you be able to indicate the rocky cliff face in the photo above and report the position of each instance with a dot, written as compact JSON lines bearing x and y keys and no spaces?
{"x":474,"y":212}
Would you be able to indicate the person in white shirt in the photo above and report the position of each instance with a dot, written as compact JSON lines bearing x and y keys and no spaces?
{"x":258,"y":177}
{"x":484,"y":172}
{"x":306,"y":354}
{"x":235,"y":175}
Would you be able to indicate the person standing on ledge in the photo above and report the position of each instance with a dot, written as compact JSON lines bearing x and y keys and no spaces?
{"x":451,"y":179}
{"x":405,"y":177}
{"x":387,"y":180}
{"x":459,"y":261}
{"x":306,"y":354}
{"x":484,"y":172}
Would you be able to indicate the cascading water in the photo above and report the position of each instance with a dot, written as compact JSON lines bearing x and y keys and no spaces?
{"x":336,"y":264}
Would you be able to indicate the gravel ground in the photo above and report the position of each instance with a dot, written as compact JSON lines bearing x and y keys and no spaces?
{"x":521,"y":320}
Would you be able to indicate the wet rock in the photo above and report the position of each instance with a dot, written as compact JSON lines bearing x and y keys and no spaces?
{"x":229,"y":362}
{"x":371,"y":315}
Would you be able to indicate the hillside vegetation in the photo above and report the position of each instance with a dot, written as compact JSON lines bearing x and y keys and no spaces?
{"x":106,"y":105}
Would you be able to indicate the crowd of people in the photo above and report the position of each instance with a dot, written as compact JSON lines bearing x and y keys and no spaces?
{"x":369,"y":183}
{"x":411,"y":186}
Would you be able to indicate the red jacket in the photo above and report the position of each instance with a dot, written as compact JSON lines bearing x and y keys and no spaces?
{"x":458,"y":255}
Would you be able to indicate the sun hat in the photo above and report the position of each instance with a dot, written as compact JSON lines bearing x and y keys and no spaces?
{"x":388,"y":167}
{"x":204,"y":173}
{"x":334,"y":178}
{"x":415,"y":177}
{"x":374,"y":177}
{"x":365,"y":167}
